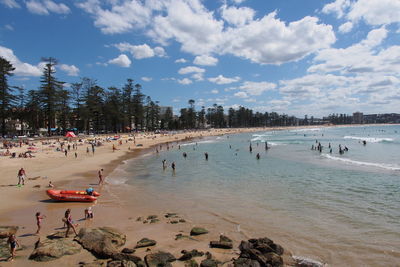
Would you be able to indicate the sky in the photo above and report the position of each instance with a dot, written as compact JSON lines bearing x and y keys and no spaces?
{"x":298,"y":57}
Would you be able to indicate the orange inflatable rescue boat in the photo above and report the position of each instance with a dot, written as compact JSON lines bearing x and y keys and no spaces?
{"x":72,"y":195}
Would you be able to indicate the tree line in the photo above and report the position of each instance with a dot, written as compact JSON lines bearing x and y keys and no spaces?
{"x":86,"y":107}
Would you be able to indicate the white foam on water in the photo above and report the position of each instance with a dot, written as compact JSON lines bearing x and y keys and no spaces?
{"x":200,"y":142}
{"x":369,"y":139}
{"x":117,"y":180}
{"x":307,"y":130}
{"x":392,"y":167}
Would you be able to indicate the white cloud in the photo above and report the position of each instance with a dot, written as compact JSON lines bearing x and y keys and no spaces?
{"x":372,"y":12}
{"x":241,"y":94}
{"x":44,"y":7}
{"x":237,"y":16}
{"x":220,"y":79}
{"x":122,"y":17}
{"x":122,"y":61}
{"x":215,"y":91}
{"x":191,"y":69}
{"x":338,"y":7}
{"x":21,"y":68}
{"x":9,"y":27}
{"x":181,"y":60}
{"x":71,"y":70}
{"x":10,"y":3}
{"x":238,"y":1}
{"x":205,"y":60}
{"x":256,"y":88}
{"x":141,"y":51}
{"x":185,"y":81}
{"x":346,"y":27}
{"x":147,"y":79}
{"x":198,"y":76}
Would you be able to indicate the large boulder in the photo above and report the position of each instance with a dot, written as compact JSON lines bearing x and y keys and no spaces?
{"x":102,"y":242}
{"x":159,"y":259}
{"x":263,"y":251}
{"x":145,"y":242}
{"x":6,"y":231}
{"x":198,"y":231}
{"x":121,"y":264}
{"x":52,"y":249}
{"x":187,"y":255}
{"x":209,"y":263}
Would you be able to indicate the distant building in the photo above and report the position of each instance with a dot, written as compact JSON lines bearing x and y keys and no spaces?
{"x":358,"y":117}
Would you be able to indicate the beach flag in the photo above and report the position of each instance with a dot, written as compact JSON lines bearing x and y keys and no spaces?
{"x":70,"y":134}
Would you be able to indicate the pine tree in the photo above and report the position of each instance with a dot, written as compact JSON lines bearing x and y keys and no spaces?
{"x":6,"y":98}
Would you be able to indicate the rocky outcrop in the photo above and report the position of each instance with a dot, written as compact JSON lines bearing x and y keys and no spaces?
{"x":209,"y":263}
{"x":224,"y":243}
{"x":6,"y":231}
{"x":145,"y":242}
{"x":121,"y":264}
{"x":159,"y":259}
{"x":259,"y":252}
{"x":52,"y":249}
{"x":198,"y":231}
{"x":102,"y":242}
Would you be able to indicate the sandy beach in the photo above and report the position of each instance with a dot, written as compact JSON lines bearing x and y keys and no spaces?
{"x":19,"y":204}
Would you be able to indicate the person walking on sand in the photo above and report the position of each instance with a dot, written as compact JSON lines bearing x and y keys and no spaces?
{"x":68,"y":221}
{"x":39,"y":219}
{"x":12,"y":240}
{"x":21,"y":176}
{"x":100,"y":173}
{"x":87,"y":150}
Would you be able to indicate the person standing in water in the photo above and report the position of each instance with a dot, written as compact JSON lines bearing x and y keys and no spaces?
{"x":164,"y":164}
{"x":173,"y":166}
{"x":266,"y":145}
{"x":250,"y":148}
{"x":258,"y":156}
{"x":206,"y":155}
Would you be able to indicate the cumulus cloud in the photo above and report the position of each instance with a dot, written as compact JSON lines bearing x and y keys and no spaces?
{"x":191,"y":69}
{"x":372,"y":12}
{"x":205,"y":60}
{"x":237,"y":16}
{"x":122,"y":61}
{"x":215,"y":91}
{"x":141,"y":51}
{"x":21,"y":68}
{"x":10,"y":3}
{"x":220,"y":79}
{"x":45,"y":7}
{"x":71,"y":70}
{"x":181,"y":60}
{"x":346,"y":27}
{"x":241,"y":94}
{"x":185,"y":81}
{"x":147,"y":79}
{"x":265,"y":40}
{"x":256,"y":88}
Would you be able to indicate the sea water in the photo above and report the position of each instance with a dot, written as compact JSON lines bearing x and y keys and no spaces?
{"x":340,"y":209}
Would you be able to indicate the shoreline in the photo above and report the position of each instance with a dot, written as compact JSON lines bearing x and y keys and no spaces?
{"x":25,"y":209}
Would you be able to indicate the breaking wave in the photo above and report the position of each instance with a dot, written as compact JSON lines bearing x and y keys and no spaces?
{"x":391,"y":167}
{"x":370,"y":139}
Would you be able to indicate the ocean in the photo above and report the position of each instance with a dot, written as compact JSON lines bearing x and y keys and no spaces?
{"x":338,"y":209}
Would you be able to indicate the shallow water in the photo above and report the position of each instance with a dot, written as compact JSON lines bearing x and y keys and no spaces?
{"x":339,"y":209}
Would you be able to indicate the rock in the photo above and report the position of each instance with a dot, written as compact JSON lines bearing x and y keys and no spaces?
{"x":4,"y":249}
{"x":138,"y":219}
{"x":170,"y":215}
{"x":244,"y":262}
{"x":182,"y":220}
{"x":102,"y":242}
{"x":6,"y":231}
{"x":154,"y":220}
{"x":145,"y":242}
{"x":36,"y":186}
{"x":198,"y":231}
{"x":187,"y":255}
{"x":151,"y":217}
{"x":174,"y":222}
{"x":224,"y":243}
{"x":209,"y":263}
{"x":128,"y":250}
{"x":262,"y":250}
{"x":96,"y":263}
{"x":191,"y":263}
{"x":159,"y":259}
{"x":126,"y":257}
{"x":121,"y":264}
{"x":51,"y":249}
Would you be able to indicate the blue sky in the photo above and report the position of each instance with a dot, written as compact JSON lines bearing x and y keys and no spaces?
{"x":297,"y":57}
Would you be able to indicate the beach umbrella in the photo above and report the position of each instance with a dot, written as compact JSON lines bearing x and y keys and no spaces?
{"x":70,"y":134}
